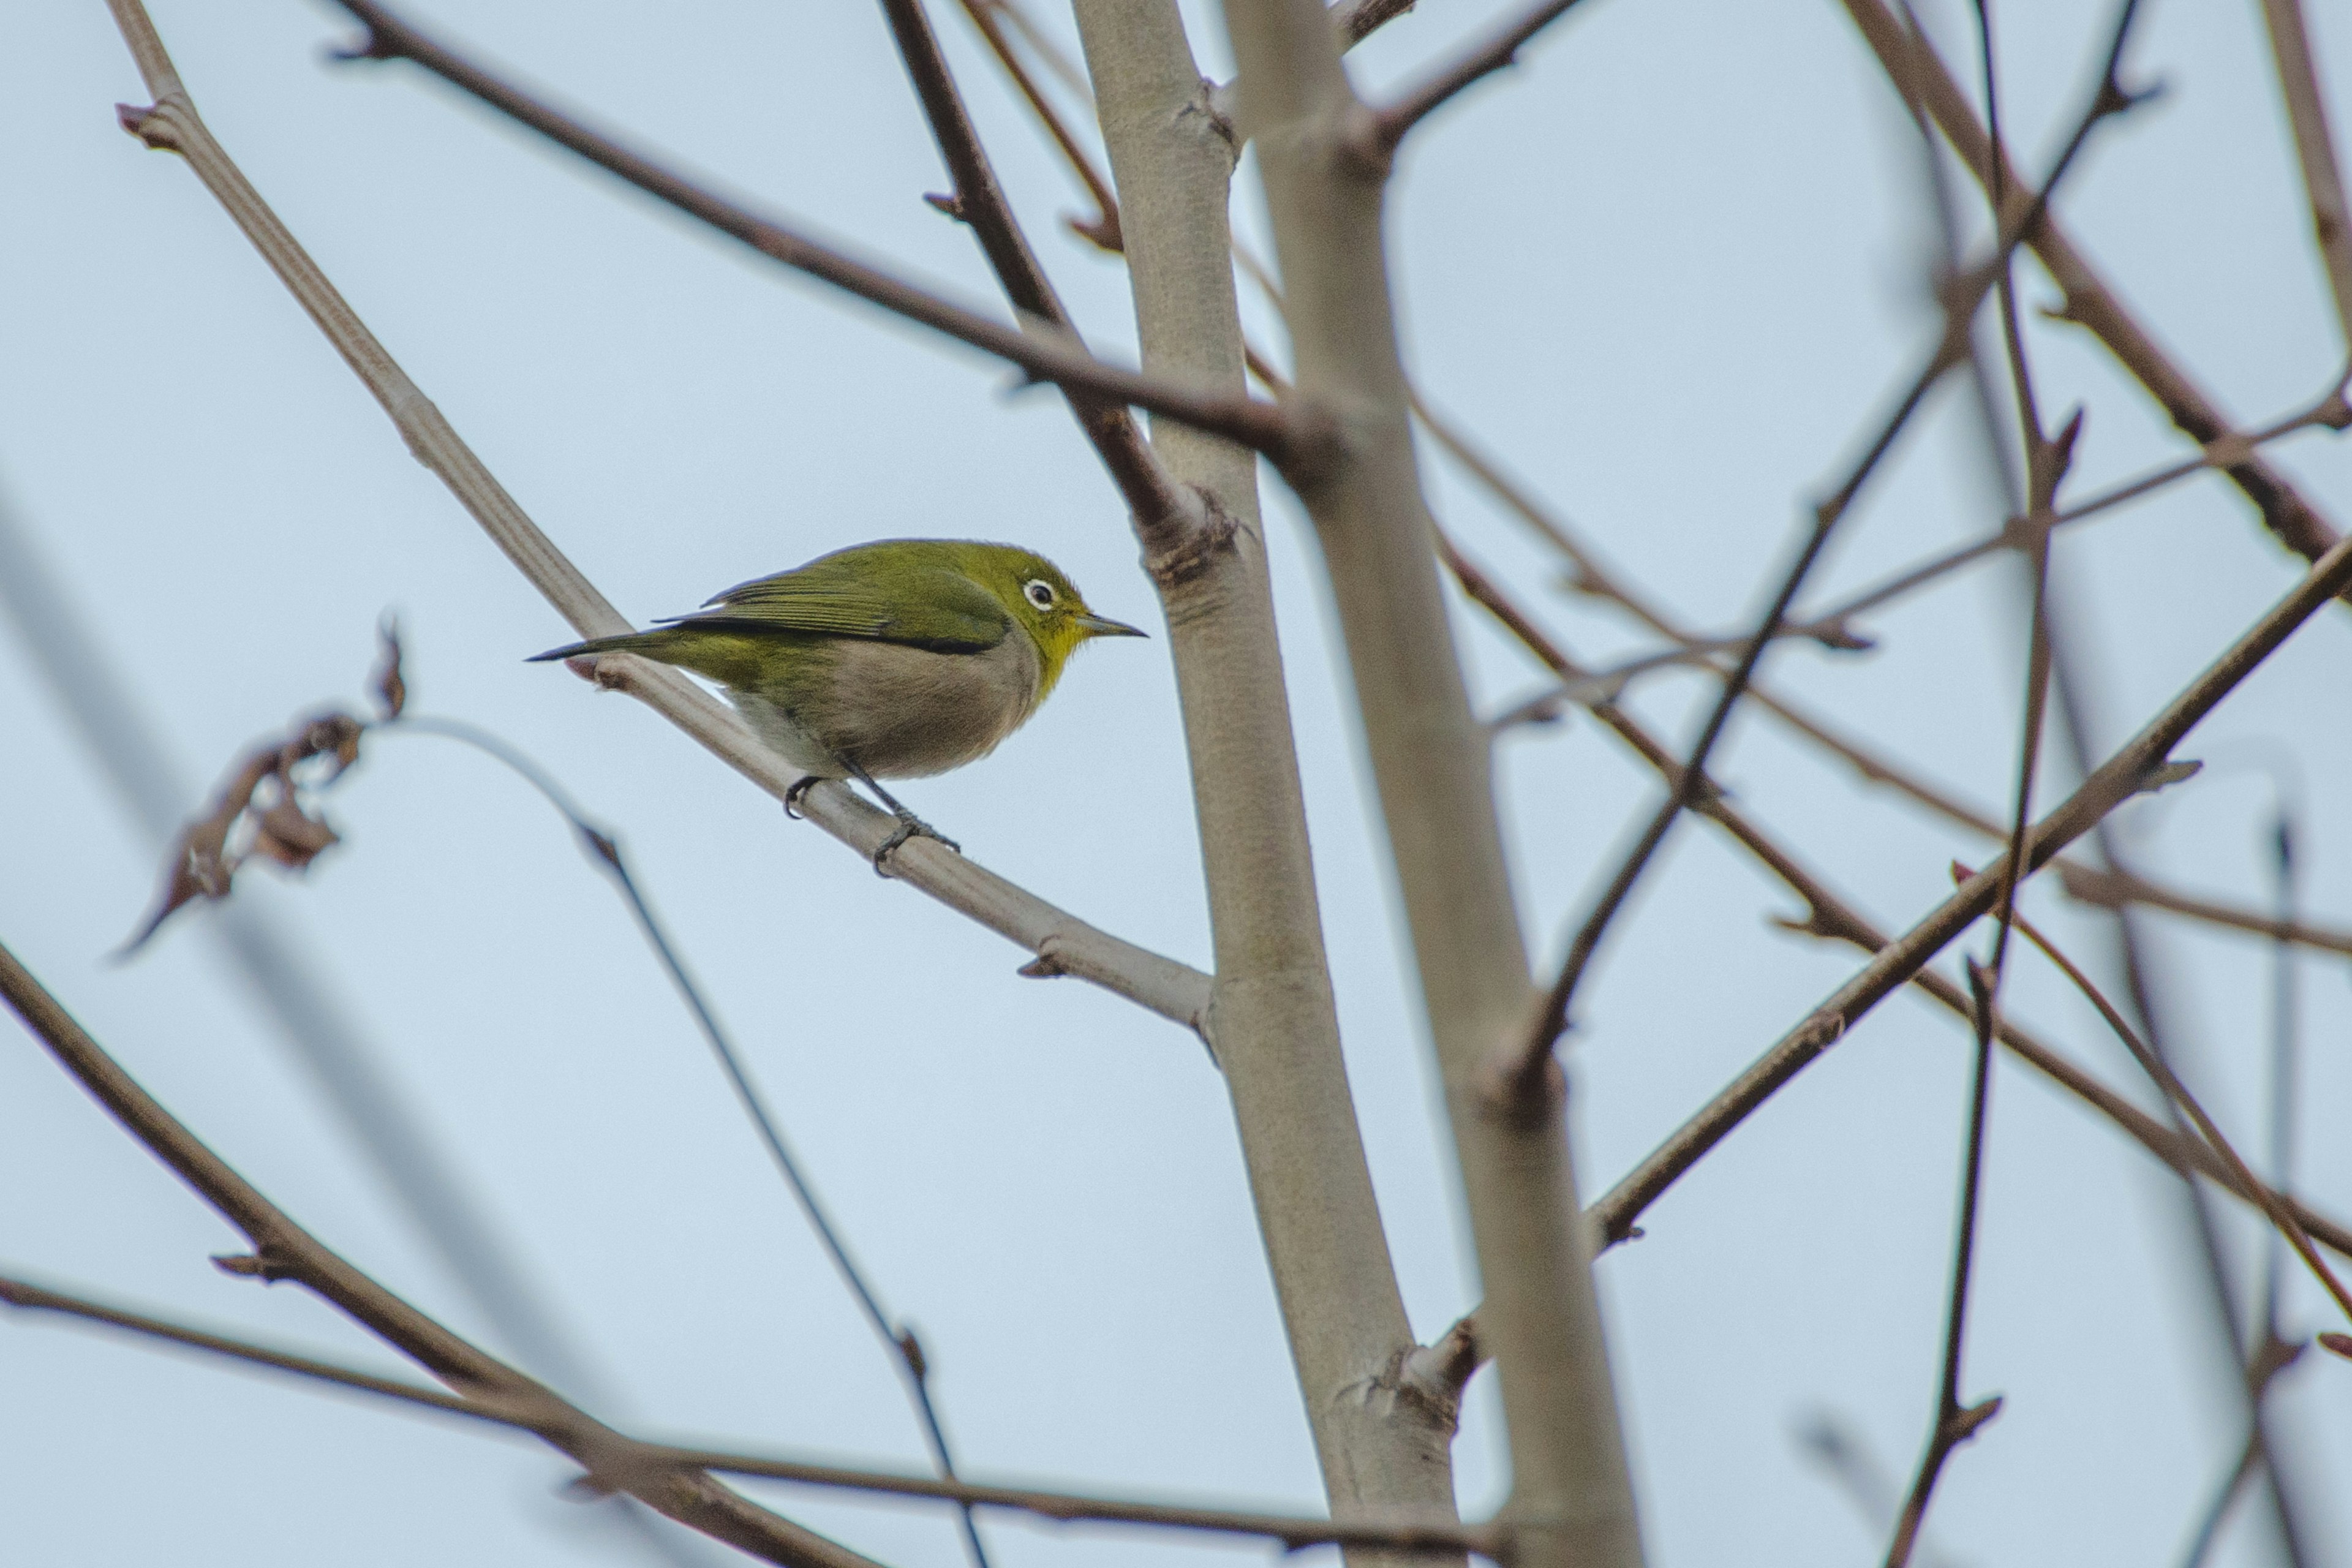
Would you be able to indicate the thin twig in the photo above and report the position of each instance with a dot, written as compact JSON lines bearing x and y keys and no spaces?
{"x":638,"y":1458}
{"x":1169,"y":520}
{"x":602,"y":847}
{"x":1290,"y":437}
{"x":2139,"y":765}
{"x":2323,"y":181}
{"x":1386,"y":127}
{"x":1102,"y":229}
{"x":1522,"y":1068}
{"x":2047,"y":459}
{"x":1830,"y":917}
{"x":2242,"y":1176}
{"x":1060,"y":943}
{"x":284,"y":1250}
{"x":1911,"y":65}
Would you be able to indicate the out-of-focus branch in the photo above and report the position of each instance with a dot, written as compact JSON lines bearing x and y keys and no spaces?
{"x":2323,"y":181}
{"x":1435,"y":776}
{"x":2243,"y":1178}
{"x":1291,"y":1532}
{"x":2116,"y":889}
{"x":1290,"y":437}
{"x":284,"y":1250}
{"x":1062,"y":943}
{"x":1382,"y":129}
{"x":604,"y":850}
{"x":1919,"y":75}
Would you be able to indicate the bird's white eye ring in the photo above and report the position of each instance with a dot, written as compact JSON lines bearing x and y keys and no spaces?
{"x":1039,"y":593}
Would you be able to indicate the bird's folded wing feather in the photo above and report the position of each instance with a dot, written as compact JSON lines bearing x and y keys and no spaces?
{"x":936,"y":608}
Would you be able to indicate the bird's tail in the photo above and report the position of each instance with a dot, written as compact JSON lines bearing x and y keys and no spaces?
{"x":650,"y":643}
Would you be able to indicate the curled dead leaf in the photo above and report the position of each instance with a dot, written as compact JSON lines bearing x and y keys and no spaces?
{"x":387,"y":686}
{"x":265,"y":806}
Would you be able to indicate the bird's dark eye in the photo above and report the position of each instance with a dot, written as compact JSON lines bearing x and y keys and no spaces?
{"x":1039,"y":593}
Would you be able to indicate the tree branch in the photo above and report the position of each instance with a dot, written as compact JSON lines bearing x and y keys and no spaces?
{"x":1919,"y":75}
{"x":2140,"y":764}
{"x":1293,"y":1533}
{"x":1062,"y":943}
{"x":1291,"y":437}
{"x":284,"y":1250}
{"x":1377,"y":139}
{"x":2306,"y":113}
{"x":1277,"y":1023}
{"x":1434,"y":772}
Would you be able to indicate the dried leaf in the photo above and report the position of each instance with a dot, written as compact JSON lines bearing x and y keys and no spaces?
{"x":263,"y":811}
{"x":387,"y":686}
{"x":290,"y":836}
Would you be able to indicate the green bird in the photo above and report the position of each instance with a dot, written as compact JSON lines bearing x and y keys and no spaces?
{"x":900,"y":659}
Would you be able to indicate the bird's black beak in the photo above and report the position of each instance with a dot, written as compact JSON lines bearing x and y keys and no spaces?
{"x":1102,"y":626}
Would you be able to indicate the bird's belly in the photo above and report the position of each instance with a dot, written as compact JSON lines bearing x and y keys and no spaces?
{"x":899,"y":712}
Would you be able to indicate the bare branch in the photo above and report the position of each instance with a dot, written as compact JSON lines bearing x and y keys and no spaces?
{"x":1377,"y":139}
{"x":1169,"y":520}
{"x":1433,"y":774}
{"x":284,"y":1250}
{"x":2134,"y":768}
{"x":2306,"y":111}
{"x":1294,"y":1533}
{"x":1919,"y":75}
{"x":1289,"y":437}
{"x":1276,"y":1021}
{"x":1062,"y":943}
{"x":2244,"y":1179}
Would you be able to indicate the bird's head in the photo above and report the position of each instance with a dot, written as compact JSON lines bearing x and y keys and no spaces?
{"x":1045,"y":603}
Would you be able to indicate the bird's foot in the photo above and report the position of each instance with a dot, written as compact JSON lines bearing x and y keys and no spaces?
{"x":800,"y":787}
{"x":909,"y":827}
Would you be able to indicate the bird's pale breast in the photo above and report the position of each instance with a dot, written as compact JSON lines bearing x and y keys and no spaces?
{"x":895,"y":710}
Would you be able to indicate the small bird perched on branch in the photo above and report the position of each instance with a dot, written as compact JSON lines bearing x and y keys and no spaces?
{"x":900,"y":659}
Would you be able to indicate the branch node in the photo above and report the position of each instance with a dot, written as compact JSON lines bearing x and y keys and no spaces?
{"x":267,"y":1263}
{"x":153,"y":125}
{"x":1196,"y":548}
{"x":951,"y":204}
{"x":2164,"y":775}
{"x":1046,"y":965}
{"x":1962,"y":1425}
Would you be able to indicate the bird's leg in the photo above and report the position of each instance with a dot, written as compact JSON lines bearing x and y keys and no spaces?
{"x":800,"y":787}
{"x":909,"y":824}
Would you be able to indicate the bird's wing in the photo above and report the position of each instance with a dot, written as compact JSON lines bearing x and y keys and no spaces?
{"x":933,"y":608}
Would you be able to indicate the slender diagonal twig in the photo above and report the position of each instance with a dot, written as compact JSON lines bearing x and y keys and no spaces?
{"x":1522,"y":1070}
{"x":1289,"y":437}
{"x":2158,"y":1070}
{"x":1387,"y":126}
{"x":1918,"y":74}
{"x":1102,"y":229}
{"x":644,"y":1459}
{"x":1060,"y":943}
{"x":604,"y":850}
{"x":1615,"y":1212}
{"x":1165,"y":515}
{"x":284,"y":1250}
{"x":2047,"y":459}
{"x":1951,"y":349}
{"x":2323,"y":181}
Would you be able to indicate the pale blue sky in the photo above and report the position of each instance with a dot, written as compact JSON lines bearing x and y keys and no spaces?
{"x":1669,"y":270}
